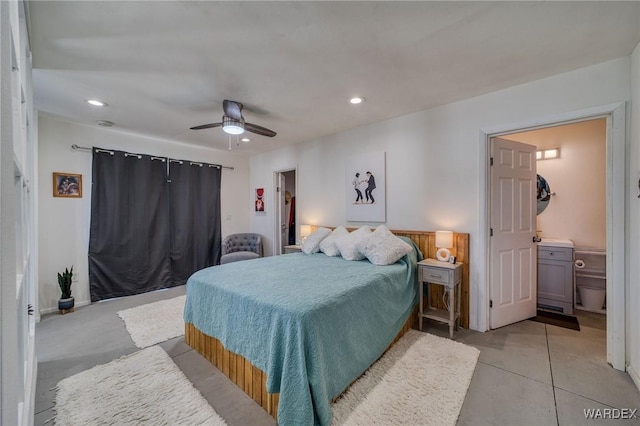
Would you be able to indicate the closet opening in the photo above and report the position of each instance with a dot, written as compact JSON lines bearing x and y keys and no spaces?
{"x":286,"y":212}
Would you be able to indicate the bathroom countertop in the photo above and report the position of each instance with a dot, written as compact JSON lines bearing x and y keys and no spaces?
{"x":555,"y":242}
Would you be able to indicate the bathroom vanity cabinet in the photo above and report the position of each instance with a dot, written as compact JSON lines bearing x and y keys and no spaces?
{"x":555,"y":278}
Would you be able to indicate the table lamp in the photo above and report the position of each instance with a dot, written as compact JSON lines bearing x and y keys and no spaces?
{"x":444,"y":241}
{"x":305,"y":231}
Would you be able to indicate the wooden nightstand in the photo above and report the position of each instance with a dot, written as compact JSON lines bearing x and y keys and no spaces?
{"x":448,"y":275}
{"x":292,"y":248}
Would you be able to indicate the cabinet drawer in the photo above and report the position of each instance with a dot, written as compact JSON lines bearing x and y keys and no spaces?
{"x":555,"y":253}
{"x":434,"y":275}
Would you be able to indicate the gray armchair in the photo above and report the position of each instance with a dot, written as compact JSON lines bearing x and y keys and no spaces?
{"x":237,"y":247}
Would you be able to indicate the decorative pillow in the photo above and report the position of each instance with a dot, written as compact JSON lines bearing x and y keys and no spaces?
{"x":348,"y":244}
{"x":328,"y":245}
{"x":381,"y":247}
{"x":312,"y":243}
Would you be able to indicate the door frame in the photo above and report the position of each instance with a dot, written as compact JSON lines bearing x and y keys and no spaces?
{"x":277,"y":245}
{"x":616,"y":145}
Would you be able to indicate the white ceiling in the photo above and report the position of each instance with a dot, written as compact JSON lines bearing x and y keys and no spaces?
{"x":166,"y":66}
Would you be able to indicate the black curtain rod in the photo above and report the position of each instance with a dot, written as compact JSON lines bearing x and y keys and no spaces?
{"x":84,"y":148}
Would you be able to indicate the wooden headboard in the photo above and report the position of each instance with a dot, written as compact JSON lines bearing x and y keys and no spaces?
{"x":426,"y":242}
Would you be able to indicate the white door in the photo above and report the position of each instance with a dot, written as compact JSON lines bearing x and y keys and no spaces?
{"x":513,"y":256}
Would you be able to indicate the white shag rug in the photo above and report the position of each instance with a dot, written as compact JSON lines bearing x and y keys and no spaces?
{"x":145,"y":387}
{"x":155,"y":322}
{"x":422,"y":380}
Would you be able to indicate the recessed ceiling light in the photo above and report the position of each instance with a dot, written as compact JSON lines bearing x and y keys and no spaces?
{"x":105,"y":123}
{"x":245,"y":140}
{"x":96,"y":102}
{"x":356,"y":100}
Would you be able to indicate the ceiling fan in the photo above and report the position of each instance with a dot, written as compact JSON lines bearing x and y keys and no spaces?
{"x":233,"y":122}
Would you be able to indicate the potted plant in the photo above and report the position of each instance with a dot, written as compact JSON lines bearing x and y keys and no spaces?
{"x":66,"y":301}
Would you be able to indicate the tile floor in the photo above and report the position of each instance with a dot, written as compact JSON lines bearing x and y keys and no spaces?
{"x":531,"y":373}
{"x":528,"y":373}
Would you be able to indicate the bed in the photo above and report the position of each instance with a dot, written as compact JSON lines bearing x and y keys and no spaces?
{"x":294,"y":331}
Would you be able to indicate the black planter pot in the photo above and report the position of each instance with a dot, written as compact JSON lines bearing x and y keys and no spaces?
{"x":65,"y":305}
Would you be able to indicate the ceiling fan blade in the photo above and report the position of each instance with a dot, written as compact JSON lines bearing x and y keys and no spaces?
{"x":259,"y":130}
{"x":206,"y":126}
{"x":232,"y":109}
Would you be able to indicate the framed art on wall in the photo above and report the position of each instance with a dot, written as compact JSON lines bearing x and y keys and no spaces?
{"x":259,"y":199}
{"x":68,"y":185}
{"x":365,"y":182}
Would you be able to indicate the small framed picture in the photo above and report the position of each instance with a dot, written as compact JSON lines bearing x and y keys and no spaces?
{"x":259,"y":199}
{"x":68,"y":185}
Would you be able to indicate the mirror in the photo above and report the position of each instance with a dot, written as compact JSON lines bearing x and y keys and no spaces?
{"x":544,"y":194}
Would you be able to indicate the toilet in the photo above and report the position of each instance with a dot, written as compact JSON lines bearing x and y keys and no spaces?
{"x":590,"y":278}
{"x":592,"y":298}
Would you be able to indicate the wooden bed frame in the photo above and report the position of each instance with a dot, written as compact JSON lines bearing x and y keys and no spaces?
{"x":240,"y":371}
{"x":253,"y":381}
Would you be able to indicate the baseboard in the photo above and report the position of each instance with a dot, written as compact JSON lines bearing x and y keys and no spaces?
{"x":55,"y":308}
{"x":634,"y":375}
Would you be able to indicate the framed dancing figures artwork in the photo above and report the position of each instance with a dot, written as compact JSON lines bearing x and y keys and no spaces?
{"x":67,"y":185}
{"x":365,"y":187}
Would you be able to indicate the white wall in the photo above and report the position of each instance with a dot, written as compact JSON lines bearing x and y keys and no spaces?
{"x":632,"y":247}
{"x":434,"y":173}
{"x":64,"y":222}
{"x":578,"y":179}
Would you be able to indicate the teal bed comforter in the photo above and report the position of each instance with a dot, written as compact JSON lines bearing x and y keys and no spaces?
{"x":312,"y":323}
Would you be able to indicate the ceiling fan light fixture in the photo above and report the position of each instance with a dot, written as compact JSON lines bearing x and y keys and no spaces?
{"x":231,"y":126}
{"x":233,"y":122}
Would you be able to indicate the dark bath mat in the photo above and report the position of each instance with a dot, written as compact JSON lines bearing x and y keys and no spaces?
{"x":557,"y":319}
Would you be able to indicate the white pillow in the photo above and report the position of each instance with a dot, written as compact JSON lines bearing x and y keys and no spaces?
{"x":311,"y":244}
{"x":381,"y":247}
{"x":328,"y":245}
{"x":348,"y":244}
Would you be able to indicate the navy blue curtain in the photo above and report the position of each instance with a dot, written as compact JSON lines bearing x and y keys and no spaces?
{"x":150,"y":230}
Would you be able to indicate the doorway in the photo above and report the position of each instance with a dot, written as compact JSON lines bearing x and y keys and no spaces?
{"x":286,"y":212}
{"x":571,"y":208}
{"x":614,"y":117}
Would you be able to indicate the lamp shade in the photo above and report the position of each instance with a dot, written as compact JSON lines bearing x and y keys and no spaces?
{"x":305,"y":230}
{"x":444,"y":239}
